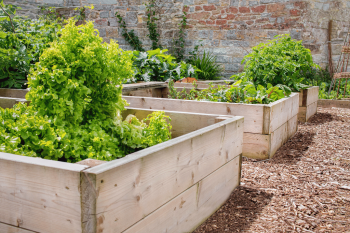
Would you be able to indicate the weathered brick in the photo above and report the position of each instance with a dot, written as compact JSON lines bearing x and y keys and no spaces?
{"x":213,"y":1}
{"x":112,"y":32}
{"x":233,"y":10}
{"x":113,"y":22}
{"x":104,"y":14}
{"x":131,"y":17}
{"x":250,"y":22}
{"x":101,"y":22}
{"x":214,"y":43}
{"x":267,"y":26}
{"x":244,"y":10}
{"x":198,"y":8}
{"x":280,"y":20}
{"x":275,"y":7}
{"x":199,"y":15}
{"x":295,"y":34}
{"x":192,"y":9}
{"x":205,"y":34}
{"x":221,"y":21}
{"x":186,"y":9}
{"x":241,"y":43}
{"x":259,"y":9}
{"x":230,"y":16}
{"x":232,"y":67}
{"x":209,"y":8}
{"x":102,"y":32}
{"x":235,"y":35}
{"x":227,"y":43}
{"x":210,"y":22}
{"x":295,"y":12}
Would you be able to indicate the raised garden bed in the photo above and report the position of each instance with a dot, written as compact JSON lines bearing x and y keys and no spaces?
{"x":307,"y":103}
{"x":173,"y":186}
{"x":266,"y":128}
{"x":333,"y":103}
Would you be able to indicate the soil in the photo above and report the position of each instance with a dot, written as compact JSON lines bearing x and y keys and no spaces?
{"x":305,"y":187}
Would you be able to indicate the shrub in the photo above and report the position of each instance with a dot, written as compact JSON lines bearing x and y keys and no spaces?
{"x":21,"y":49}
{"x":76,"y":104}
{"x":156,"y":65}
{"x":280,"y":61}
{"x":206,"y":63}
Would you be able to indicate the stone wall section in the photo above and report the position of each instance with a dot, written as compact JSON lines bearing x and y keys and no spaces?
{"x":227,"y":28}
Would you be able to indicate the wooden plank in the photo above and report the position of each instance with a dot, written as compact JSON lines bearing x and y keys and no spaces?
{"x":283,"y":110}
{"x":253,"y":113}
{"x":282,"y":134}
{"x":333,"y":103}
{"x":256,"y":146}
{"x":312,"y":95}
{"x":311,"y":110}
{"x":40,"y":195}
{"x":182,"y":122}
{"x":13,"y":93}
{"x":136,"y":185}
{"x":147,"y":92}
{"x":188,"y":210}
{"x":143,"y":85}
{"x":301,"y":98}
{"x":302,"y":114}
{"x":7,"y":102}
{"x":5,"y":228}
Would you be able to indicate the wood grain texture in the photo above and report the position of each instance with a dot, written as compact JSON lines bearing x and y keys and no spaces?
{"x":283,"y":110}
{"x":256,"y":146}
{"x":40,"y":195}
{"x":13,"y":93}
{"x":136,"y":185}
{"x":193,"y":206}
{"x":5,"y":228}
{"x":88,"y":202}
{"x":312,"y":95}
{"x":333,"y":103}
{"x":182,"y":122}
{"x":282,"y":134}
{"x":253,"y":113}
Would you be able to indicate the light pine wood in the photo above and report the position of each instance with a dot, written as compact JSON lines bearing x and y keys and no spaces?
{"x":312,"y":95}
{"x":282,"y":134}
{"x":307,"y":100}
{"x":333,"y":103}
{"x":136,"y":185}
{"x":260,"y":146}
{"x":193,"y":206}
{"x":253,"y":113}
{"x":182,"y":122}
{"x":256,"y":146}
{"x":283,"y":110}
{"x":40,"y":195}
{"x":306,"y":112}
{"x":5,"y":228}
{"x":13,"y":93}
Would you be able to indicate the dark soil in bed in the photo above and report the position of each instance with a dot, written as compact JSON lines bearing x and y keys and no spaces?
{"x":305,"y":187}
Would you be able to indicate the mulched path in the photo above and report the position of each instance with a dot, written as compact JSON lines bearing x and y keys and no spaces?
{"x":305,"y":187}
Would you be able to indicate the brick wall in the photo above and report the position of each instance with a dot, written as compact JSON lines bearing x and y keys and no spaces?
{"x":227,"y":28}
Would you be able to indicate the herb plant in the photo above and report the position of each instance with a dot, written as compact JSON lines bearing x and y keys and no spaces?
{"x":206,"y":63}
{"x":76,"y":104}
{"x":280,"y":61}
{"x":242,"y":91}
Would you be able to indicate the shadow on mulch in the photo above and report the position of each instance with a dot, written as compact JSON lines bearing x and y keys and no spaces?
{"x":294,"y":148}
{"x":238,"y":213}
{"x":321,"y":118}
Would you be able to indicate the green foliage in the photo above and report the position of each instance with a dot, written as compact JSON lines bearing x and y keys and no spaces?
{"x":19,"y":51}
{"x":324,"y":88}
{"x":76,"y":104}
{"x":158,"y":129}
{"x":82,"y":12}
{"x":152,"y":25}
{"x":156,"y":65}
{"x":130,"y":37}
{"x":280,"y":61}
{"x":210,"y":70}
{"x":180,"y":42}
{"x":242,"y":91}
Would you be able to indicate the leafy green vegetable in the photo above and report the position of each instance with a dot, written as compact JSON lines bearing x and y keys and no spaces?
{"x":280,"y":61}
{"x":156,"y":65}
{"x":76,"y":104}
{"x":242,"y":91}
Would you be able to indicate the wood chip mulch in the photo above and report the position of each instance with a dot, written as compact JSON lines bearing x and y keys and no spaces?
{"x":305,"y":187}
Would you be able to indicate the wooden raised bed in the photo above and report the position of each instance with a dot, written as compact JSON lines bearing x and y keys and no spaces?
{"x":267,"y":126}
{"x":307,"y":103}
{"x":170,"y":187}
{"x":333,"y":103}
